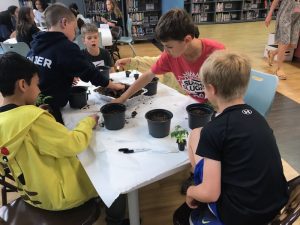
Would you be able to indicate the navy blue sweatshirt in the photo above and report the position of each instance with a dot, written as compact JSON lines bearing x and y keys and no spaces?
{"x":59,"y":61}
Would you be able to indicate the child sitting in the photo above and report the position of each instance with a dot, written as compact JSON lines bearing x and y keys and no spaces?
{"x":237,"y":165}
{"x":98,"y":56}
{"x":40,"y":152}
{"x":60,"y":60}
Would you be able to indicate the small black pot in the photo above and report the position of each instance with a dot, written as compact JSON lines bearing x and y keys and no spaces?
{"x":136,"y":76}
{"x":104,"y":70}
{"x":181,"y":146}
{"x":152,"y":87}
{"x":159,"y":121}
{"x":199,"y":114}
{"x":78,"y":97}
{"x":127,"y":72}
{"x":114,"y":116}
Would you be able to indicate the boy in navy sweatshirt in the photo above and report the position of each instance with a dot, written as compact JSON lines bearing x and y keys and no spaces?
{"x":60,"y":60}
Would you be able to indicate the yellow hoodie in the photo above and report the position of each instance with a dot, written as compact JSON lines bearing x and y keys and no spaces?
{"x":41,"y":155}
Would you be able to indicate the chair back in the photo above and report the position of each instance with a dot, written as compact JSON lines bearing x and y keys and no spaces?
{"x":20,"y":47}
{"x":19,"y":212}
{"x":78,"y":41}
{"x":291,"y":211}
{"x":129,"y":26}
{"x":261,"y":91}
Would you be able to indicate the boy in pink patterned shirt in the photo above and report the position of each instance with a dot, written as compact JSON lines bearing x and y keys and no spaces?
{"x":183,"y":55}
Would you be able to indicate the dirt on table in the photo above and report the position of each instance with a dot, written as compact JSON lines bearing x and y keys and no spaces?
{"x":115,"y":94}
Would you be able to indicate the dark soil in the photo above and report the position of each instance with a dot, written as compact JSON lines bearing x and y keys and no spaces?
{"x":114,"y":93}
{"x":199,"y":111}
{"x":158,"y":116}
{"x":133,"y":114}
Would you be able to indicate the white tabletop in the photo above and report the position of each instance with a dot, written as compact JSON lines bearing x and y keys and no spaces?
{"x":113,"y":172}
{"x":10,"y":41}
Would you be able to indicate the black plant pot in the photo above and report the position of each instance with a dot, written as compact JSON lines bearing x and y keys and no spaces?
{"x":159,"y":121}
{"x":114,"y":116}
{"x":152,"y":87}
{"x":199,"y":114}
{"x":104,"y":70}
{"x":181,"y":145}
{"x":78,"y":97}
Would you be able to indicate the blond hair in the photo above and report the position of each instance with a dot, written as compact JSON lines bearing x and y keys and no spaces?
{"x":228,"y":73}
{"x":56,"y":12}
{"x":88,"y":28}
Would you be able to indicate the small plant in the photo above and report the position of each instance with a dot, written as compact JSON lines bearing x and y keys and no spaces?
{"x":42,"y":99}
{"x":180,"y":134}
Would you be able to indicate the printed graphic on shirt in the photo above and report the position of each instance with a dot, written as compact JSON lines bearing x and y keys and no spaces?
{"x":191,"y":83}
{"x":99,"y":63}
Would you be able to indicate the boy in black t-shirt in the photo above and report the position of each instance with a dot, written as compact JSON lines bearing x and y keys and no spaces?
{"x":98,"y":56}
{"x":237,"y":165}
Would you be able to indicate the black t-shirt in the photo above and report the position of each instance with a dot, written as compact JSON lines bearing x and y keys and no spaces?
{"x":28,"y":37}
{"x":7,"y":107}
{"x":103,"y":59}
{"x":253,"y":187}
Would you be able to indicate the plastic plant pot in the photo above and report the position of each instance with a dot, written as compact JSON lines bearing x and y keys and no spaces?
{"x":152,"y":87}
{"x":78,"y":97}
{"x":159,"y":122}
{"x":104,"y":70}
{"x":114,"y":116}
{"x":199,"y":114}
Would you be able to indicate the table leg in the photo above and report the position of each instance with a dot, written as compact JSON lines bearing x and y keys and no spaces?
{"x":133,"y":207}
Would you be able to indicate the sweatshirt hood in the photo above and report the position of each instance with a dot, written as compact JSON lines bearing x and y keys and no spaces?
{"x":13,"y":130}
{"x":43,"y":40}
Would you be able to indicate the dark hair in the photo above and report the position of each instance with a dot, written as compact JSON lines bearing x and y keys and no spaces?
{"x":11,"y":9}
{"x":44,"y":4}
{"x":55,"y":12}
{"x":175,"y":25}
{"x":14,"y":67}
{"x":73,"y":6}
{"x":24,"y":22}
{"x":197,"y":32}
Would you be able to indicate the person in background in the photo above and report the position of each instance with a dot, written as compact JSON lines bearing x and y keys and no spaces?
{"x":98,"y":56}
{"x":40,"y":152}
{"x":39,"y":7}
{"x":8,"y":20}
{"x":234,"y":183}
{"x":287,"y":32}
{"x":26,"y":26}
{"x":80,"y":18}
{"x":114,"y":15}
{"x":60,"y":60}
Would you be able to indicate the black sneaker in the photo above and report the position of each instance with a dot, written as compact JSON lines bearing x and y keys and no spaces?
{"x":185,"y":184}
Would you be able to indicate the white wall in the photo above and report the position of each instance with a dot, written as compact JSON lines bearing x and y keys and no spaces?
{"x":5,"y":3}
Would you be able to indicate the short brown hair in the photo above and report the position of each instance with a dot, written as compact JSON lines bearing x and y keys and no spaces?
{"x":88,"y":28}
{"x":57,"y":11}
{"x":175,"y":25}
{"x":228,"y":72}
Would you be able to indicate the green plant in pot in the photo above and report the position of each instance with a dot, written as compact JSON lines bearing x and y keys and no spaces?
{"x":180,"y":134}
{"x":42,"y":101}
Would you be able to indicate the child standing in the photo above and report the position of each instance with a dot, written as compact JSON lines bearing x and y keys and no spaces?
{"x":40,"y":153}
{"x":183,"y":55}
{"x":238,"y":170}
{"x":98,"y":56}
{"x":60,"y":60}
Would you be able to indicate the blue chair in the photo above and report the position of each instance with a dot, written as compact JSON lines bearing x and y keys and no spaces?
{"x":128,"y":40}
{"x":261,"y":91}
{"x":78,"y":41}
{"x":20,"y":47}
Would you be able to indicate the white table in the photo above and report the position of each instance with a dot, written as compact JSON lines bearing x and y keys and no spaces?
{"x":112,"y":172}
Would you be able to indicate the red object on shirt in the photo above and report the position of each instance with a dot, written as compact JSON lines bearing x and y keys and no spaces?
{"x":187,"y":73}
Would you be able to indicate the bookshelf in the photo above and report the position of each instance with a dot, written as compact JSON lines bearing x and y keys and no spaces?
{"x":227,"y":11}
{"x":144,"y":15}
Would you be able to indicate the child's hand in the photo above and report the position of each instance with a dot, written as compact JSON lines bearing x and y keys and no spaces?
{"x":75,"y":81}
{"x":192,"y":203}
{"x":122,"y":62}
{"x":96,"y":118}
{"x":116,"y":86}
